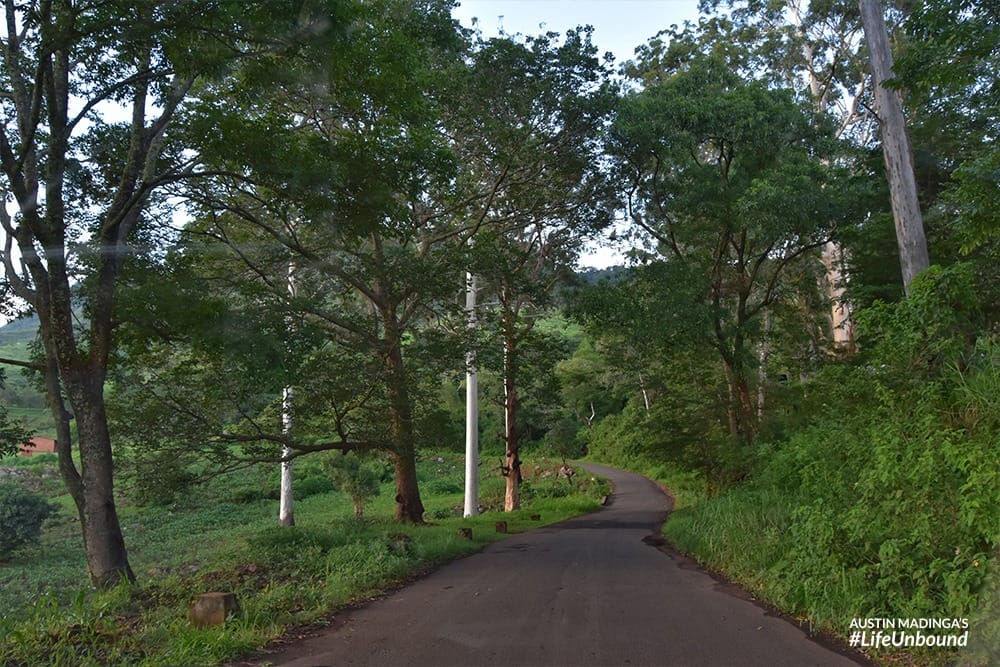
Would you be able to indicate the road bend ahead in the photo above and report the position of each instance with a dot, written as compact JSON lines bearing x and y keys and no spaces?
{"x":585,"y":592}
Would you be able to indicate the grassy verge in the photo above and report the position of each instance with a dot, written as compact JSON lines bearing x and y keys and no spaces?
{"x":752,"y":535}
{"x":223,"y":537}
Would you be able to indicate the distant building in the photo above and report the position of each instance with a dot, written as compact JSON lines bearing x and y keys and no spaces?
{"x":38,"y":446}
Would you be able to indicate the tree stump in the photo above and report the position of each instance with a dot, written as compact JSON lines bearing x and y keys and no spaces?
{"x":212,"y":609}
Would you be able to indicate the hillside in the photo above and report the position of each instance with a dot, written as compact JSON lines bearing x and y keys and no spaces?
{"x":18,"y":331}
{"x":19,"y":394}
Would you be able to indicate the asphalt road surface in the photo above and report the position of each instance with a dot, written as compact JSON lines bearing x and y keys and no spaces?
{"x":585,"y":592}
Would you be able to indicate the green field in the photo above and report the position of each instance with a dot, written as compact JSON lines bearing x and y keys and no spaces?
{"x":18,"y":393}
{"x":223,"y":535}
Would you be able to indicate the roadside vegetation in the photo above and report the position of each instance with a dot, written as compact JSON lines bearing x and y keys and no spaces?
{"x":222,"y":535}
{"x":875,"y":492}
{"x":317,"y":223}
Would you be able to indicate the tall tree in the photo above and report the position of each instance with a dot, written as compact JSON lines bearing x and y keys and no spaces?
{"x":85,"y":190}
{"x":334,"y":160}
{"x":815,"y":46}
{"x":81,"y":187}
{"x":946,"y":68}
{"x":532,"y":115}
{"x":896,"y":146}
{"x":712,"y":164}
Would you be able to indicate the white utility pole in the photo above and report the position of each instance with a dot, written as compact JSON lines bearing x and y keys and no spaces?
{"x":286,"y":512}
{"x":471,"y":408}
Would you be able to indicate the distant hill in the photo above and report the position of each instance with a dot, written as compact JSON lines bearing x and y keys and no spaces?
{"x":19,"y":395}
{"x":19,"y":331}
{"x":589,"y":276}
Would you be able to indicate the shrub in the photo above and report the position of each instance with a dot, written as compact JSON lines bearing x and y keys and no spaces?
{"x":153,"y":476}
{"x":21,"y":516}
{"x":353,"y":476}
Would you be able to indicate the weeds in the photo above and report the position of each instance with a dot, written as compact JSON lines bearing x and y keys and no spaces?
{"x":281,"y":576}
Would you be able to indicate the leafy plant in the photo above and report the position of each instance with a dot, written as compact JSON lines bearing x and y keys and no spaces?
{"x":355,"y":477}
{"x":21,"y":516}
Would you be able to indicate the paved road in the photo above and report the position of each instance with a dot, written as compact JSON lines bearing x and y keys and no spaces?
{"x":585,"y":592}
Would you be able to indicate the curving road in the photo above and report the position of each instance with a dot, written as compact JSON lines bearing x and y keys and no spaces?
{"x":585,"y":592}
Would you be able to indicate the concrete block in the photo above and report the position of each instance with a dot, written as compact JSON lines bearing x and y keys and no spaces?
{"x":212,"y":609}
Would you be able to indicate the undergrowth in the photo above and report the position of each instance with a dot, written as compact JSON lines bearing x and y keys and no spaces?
{"x":219,"y":537}
{"x":885,"y":501}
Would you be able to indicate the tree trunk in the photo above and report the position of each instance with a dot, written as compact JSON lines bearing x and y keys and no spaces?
{"x":765,"y":353}
{"x":896,"y":148}
{"x":409,"y":507}
{"x":645,"y":394}
{"x":82,"y":378}
{"x":512,"y":436}
{"x":742,"y":425}
{"x":107,"y":560}
{"x":841,"y":320}
{"x":842,"y":328}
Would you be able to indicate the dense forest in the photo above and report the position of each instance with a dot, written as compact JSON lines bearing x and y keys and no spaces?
{"x":247,"y":233}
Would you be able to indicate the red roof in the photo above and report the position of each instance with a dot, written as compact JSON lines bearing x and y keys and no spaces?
{"x":38,"y":445}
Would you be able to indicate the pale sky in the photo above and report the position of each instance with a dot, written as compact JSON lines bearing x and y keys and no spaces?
{"x":619,"y":25}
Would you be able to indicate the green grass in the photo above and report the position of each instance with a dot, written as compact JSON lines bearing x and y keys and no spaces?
{"x":207,"y":541}
{"x":751,"y":534}
{"x":19,"y":396}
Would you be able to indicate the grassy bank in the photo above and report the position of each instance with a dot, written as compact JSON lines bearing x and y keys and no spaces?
{"x":765,"y":539}
{"x":222,"y":536}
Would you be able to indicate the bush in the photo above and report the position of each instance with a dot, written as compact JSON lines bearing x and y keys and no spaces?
{"x":156,"y":477}
{"x":884,"y":500}
{"x":21,"y":516}
{"x":352,"y":475}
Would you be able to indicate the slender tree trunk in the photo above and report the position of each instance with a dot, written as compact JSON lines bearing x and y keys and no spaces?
{"x":742,"y":425}
{"x":765,"y":353}
{"x":645,"y":394}
{"x":896,"y":148}
{"x":841,"y":329}
{"x":409,"y":507}
{"x":64,"y":434}
{"x":107,"y":560}
{"x":512,"y":435}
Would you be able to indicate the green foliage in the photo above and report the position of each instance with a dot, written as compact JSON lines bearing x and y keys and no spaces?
{"x":886,"y":501}
{"x":13,"y":432}
{"x":710,"y":160}
{"x":566,"y":439}
{"x":21,"y":516}
{"x":282,"y":577}
{"x":354,"y":476}
{"x":154,"y":476}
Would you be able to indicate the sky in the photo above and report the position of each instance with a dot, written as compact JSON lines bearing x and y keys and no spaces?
{"x":619,"y":27}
